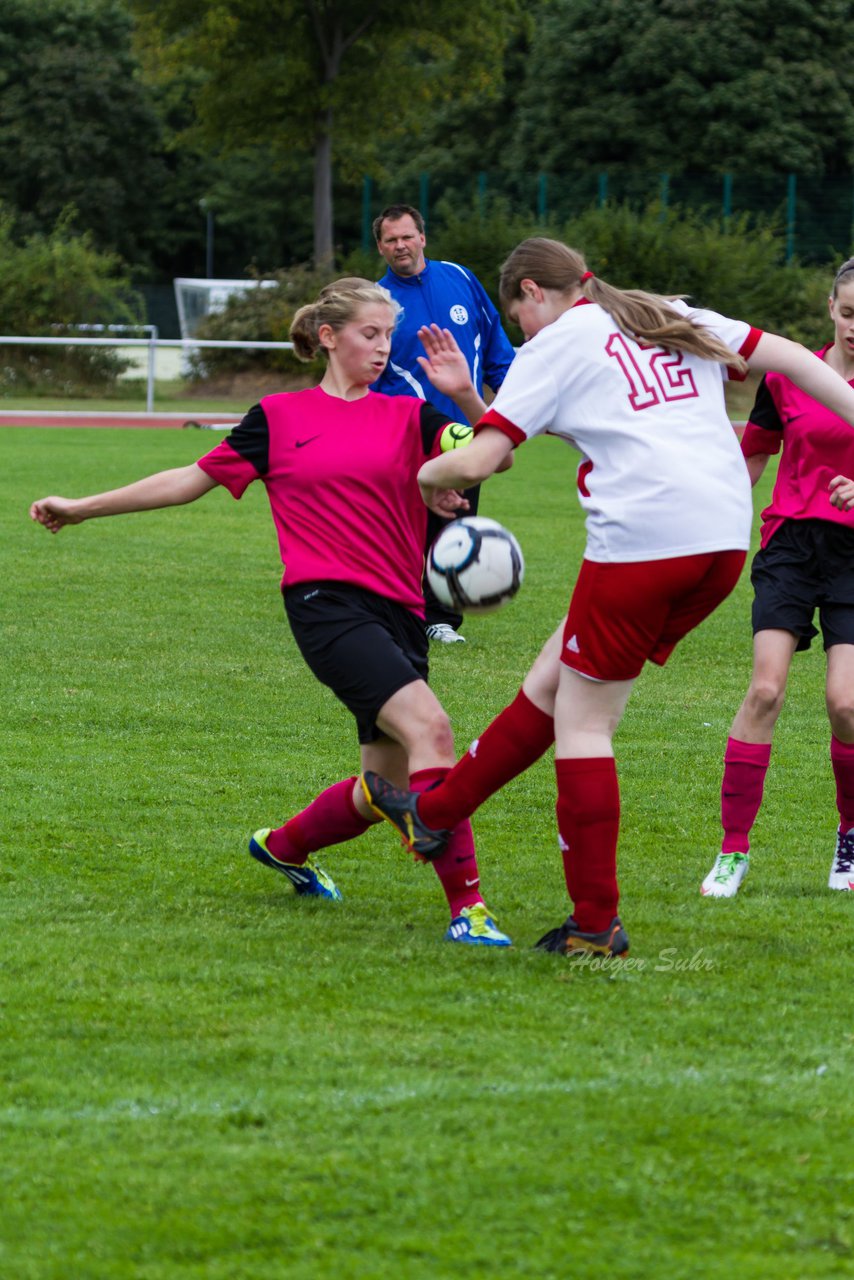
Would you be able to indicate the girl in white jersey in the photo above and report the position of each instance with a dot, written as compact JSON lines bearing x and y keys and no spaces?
{"x":339,"y":463}
{"x":635,"y":382}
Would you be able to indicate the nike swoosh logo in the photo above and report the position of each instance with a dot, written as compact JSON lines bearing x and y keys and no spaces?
{"x":469,"y":883}
{"x":301,"y":443}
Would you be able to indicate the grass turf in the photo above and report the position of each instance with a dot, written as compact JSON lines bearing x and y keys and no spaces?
{"x":202,"y":1076}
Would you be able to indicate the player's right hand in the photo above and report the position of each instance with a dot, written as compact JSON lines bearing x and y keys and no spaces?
{"x":842,"y":492}
{"x":54,"y":513}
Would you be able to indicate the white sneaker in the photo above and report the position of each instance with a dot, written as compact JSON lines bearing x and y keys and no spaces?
{"x":842,"y":868}
{"x":726,"y":875}
{"x":444,"y":633}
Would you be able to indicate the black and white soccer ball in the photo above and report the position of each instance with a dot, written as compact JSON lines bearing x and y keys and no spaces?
{"x":475,"y":565}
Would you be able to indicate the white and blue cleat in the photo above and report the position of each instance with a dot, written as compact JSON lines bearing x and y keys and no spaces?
{"x":477,"y":927}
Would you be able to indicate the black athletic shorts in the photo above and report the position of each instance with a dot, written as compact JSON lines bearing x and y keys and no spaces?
{"x":807,"y":565}
{"x":363,"y":646}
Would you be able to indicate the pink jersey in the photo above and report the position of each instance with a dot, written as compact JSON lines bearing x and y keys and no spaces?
{"x":340,"y":477}
{"x":661,"y":473}
{"x":817,"y":445}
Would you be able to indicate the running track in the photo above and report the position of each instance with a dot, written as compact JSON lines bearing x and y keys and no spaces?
{"x":169,"y":421}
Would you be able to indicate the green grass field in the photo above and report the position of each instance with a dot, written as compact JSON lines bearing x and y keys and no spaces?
{"x":206,"y":1078}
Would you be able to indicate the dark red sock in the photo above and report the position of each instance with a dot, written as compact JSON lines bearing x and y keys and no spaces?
{"x":588,"y":823}
{"x":745,"y":766}
{"x":842,"y":758}
{"x":331,"y":818}
{"x":456,"y":866}
{"x":517,"y":737}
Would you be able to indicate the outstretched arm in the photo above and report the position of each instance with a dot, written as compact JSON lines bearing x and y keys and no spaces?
{"x":165,"y":489}
{"x":447,"y":369}
{"x":813,"y":376}
{"x":490,"y":451}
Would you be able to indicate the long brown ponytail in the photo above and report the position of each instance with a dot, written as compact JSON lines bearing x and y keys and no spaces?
{"x":553,"y":265}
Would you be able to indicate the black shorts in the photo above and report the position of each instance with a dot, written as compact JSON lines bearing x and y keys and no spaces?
{"x":361,"y":645}
{"x":807,"y":565}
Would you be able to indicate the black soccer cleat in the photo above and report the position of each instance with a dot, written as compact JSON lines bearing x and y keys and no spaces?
{"x":568,"y":940}
{"x":400,"y":809}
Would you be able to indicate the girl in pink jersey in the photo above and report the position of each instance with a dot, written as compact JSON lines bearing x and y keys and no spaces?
{"x":340,"y":466}
{"x":635,"y":382}
{"x":805,"y":562}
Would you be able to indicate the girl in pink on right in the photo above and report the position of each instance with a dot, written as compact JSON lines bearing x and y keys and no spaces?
{"x":805,"y":563}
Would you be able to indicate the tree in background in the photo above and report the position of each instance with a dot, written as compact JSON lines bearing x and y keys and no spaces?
{"x":76,"y":126}
{"x":330,"y":79}
{"x":743,"y":85}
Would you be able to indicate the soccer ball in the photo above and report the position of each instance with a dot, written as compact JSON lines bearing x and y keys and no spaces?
{"x":475,"y":565}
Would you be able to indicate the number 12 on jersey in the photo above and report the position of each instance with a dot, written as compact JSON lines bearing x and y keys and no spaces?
{"x":653,"y":374}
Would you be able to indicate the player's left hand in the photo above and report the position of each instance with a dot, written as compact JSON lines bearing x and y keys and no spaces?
{"x":841,"y":493}
{"x":445,"y":502}
{"x":444,"y":363}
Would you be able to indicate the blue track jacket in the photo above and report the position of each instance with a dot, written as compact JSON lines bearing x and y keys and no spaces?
{"x":452,"y":297}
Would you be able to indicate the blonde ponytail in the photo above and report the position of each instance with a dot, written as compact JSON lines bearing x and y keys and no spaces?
{"x":335,"y":305}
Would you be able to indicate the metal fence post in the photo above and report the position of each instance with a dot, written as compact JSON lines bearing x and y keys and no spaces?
{"x":727,"y":200}
{"x":543,"y":197}
{"x":152,"y":369}
{"x":791,"y":199}
{"x":366,"y":212}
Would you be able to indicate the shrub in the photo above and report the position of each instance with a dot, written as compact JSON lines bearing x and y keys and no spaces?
{"x":738,"y":269}
{"x":49,"y":283}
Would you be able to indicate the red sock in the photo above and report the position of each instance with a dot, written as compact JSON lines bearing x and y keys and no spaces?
{"x":517,"y":737}
{"x":745,"y":766}
{"x":456,"y":865}
{"x":331,"y":818}
{"x":588,"y":822}
{"x":842,"y":758}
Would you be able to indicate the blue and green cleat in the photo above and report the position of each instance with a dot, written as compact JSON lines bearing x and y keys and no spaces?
{"x":308,"y":880}
{"x":477,"y":927}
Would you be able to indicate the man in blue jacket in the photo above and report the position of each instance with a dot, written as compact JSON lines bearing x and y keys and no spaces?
{"x":443,"y":293}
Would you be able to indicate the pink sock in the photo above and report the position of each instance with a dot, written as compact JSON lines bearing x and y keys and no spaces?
{"x":745,"y":766}
{"x":331,"y":818}
{"x":588,"y":820}
{"x":842,"y":758}
{"x":515,"y":739}
{"x":456,"y":865}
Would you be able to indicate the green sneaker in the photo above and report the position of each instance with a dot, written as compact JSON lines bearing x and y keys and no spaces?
{"x":476,"y":926}
{"x":726,"y":875}
{"x":307,"y":879}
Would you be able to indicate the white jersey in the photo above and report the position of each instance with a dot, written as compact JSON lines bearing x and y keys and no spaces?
{"x":662,"y":474}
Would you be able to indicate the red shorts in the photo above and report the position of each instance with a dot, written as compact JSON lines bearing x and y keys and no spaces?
{"x":623,"y":615}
